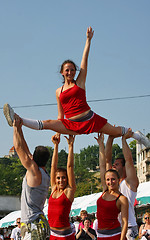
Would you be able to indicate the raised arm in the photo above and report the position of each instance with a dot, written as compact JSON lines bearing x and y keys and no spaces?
{"x":84,"y":62}
{"x":131,"y":178}
{"x":102,"y":158}
{"x":70,"y":168}
{"x":21,"y":146}
{"x":108,"y":152}
{"x":54,"y":162}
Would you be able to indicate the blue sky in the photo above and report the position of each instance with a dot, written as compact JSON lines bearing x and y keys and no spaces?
{"x":37,"y":36}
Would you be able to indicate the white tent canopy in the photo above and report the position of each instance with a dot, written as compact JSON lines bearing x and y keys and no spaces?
{"x":10,"y":219}
{"x":87,"y":202}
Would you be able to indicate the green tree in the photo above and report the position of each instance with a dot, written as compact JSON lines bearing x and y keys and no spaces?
{"x":12,"y":173}
{"x":89,"y":157}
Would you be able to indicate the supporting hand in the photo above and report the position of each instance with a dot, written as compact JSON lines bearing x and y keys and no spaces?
{"x":128,"y":134}
{"x":55,"y":139}
{"x":71,"y":139}
{"x":17,"y":121}
{"x":100,"y":138}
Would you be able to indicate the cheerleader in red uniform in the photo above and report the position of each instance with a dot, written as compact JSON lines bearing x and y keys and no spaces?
{"x":63,"y":188}
{"x":111,"y":202}
{"x":71,"y":102}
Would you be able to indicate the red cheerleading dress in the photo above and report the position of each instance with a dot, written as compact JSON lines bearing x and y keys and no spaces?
{"x":73,"y":101}
{"x":58,"y":217}
{"x":107,"y":214}
{"x":58,"y":211}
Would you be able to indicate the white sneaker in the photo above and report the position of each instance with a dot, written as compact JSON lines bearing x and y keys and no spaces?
{"x":143,"y":139}
{"x":9,"y":114}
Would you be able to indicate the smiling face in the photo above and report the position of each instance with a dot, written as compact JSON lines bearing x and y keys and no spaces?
{"x":87,"y":223}
{"x":112,"y":181}
{"x":68,"y":71}
{"x":61,"y":180}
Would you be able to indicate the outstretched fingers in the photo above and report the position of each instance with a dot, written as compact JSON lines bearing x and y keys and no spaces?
{"x":100,"y":138}
{"x":90,"y":33}
{"x":70,"y":139}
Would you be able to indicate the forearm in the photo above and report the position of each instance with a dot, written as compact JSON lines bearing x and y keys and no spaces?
{"x":124,"y":230}
{"x":140,"y":232}
{"x":19,"y":141}
{"x":102,"y":163}
{"x":78,"y":234}
{"x":55,"y":157}
{"x":108,"y":152}
{"x":85,"y":53}
{"x":70,"y":162}
{"x":102,"y":158}
{"x":70,"y":168}
{"x":126,"y":150}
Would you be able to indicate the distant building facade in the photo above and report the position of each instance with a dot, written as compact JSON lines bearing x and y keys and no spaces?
{"x":12,"y":153}
{"x":143,"y":163}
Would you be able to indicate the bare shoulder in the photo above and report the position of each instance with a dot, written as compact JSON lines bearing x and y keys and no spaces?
{"x":58,"y":91}
{"x":123,"y":199}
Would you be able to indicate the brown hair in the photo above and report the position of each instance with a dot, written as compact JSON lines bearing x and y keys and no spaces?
{"x":65,"y":62}
{"x":83,"y":212}
{"x":113,"y":171}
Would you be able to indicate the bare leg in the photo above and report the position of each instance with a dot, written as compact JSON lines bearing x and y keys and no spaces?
{"x":111,"y":130}
{"x":57,"y":126}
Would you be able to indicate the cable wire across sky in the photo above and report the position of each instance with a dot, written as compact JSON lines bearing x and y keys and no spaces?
{"x":96,"y":100}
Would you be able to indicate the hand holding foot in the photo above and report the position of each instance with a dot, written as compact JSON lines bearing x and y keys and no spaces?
{"x":17,"y":121}
{"x":128,"y":134}
{"x":9,"y":114}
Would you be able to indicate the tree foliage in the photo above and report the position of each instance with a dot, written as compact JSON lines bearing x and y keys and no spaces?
{"x":12,"y":173}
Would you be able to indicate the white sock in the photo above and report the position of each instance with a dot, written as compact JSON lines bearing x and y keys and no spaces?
{"x":124,"y":130}
{"x":31,"y":123}
{"x":136,"y":136}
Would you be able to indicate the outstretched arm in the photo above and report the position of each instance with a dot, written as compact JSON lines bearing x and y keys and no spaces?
{"x":131,"y":178}
{"x":108,"y":152}
{"x":54,"y":162}
{"x":102,"y":158}
{"x":70,"y":168}
{"x":84,"y":62}
{"x":21,"y":146}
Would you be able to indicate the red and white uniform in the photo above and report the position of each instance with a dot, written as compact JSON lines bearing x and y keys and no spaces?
{"x":58,"y":217}
{"x":107,"y":215}
{"x":73,"y":101}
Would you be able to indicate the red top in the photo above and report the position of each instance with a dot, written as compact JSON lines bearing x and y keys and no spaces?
{"x":107,"y":213}
{"x":58,"y":211}
{"x":73,"y":101}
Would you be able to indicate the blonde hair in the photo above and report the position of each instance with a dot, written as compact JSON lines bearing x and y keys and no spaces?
{"x":146,"y":214}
